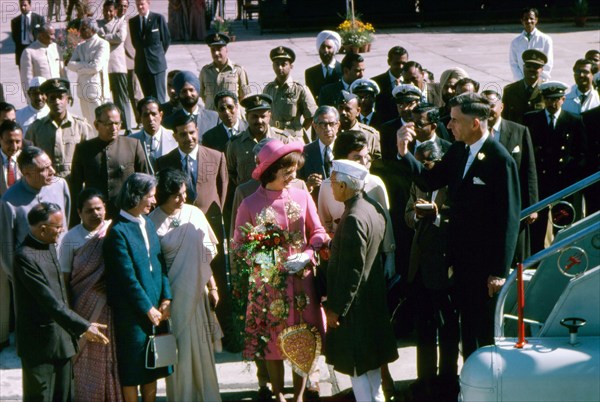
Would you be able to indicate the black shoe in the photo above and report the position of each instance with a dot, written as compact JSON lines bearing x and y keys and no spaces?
{"x":312,"y":393}
{"x":264,"y":394}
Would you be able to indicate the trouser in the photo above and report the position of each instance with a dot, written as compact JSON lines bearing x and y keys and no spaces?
{"x":367,"y":387}
{"x":70,"y":7}
{"x":436,"y":319}
{"x":134,"y":91}
{"x":153,"y":84}
{"x":476,"y":310}
{"x":48,"y":382}
{"x":88,"y":108}
{"x":4,"y":306}
{"x":54,"y":9}
{"x":118,"y":87}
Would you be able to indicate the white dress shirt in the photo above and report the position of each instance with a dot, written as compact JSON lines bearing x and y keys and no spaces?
{"x":573,"y":99}
{"x":192,"y":161}
{"x":539,"y":41}
{"x":473,"y":151}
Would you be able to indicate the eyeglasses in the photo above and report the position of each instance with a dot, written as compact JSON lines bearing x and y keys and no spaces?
{"x":324,"y":124}
{"x":110,"y":123}
{"x":420,"y":124}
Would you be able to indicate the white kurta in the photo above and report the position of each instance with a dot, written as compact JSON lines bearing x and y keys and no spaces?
{"x":189,"y":245}
{"x":38,"y":60}
{"x":27,"y":115}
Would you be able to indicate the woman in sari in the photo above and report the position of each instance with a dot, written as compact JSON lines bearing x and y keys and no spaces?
{"x":272,"y":311}
{"x":188,"y":245}
{"x":95,"y":366}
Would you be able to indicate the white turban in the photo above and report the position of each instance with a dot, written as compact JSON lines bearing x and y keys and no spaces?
{"x":332,"y":35}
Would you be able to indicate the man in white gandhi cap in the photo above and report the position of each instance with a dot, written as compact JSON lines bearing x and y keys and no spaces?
{"x":359,"y":336}
{"x":329,"y":70}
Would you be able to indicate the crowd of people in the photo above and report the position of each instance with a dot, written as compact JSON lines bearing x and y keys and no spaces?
{"x":395,"y":190}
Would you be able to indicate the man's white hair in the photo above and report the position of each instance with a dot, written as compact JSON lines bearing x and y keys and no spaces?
{"x":353,"y":183}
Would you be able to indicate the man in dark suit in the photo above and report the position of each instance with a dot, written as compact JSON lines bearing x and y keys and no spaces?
{"x":105,"y":162}
{"x":517,"y":141}
{"x":318,"y":155}
{"x":484,"y":203}
{"x":431,"y":286}
{"x":367,"y":91}
{"x":353,"y":68}
{"x":206,"y":171}
{"x":412,"y":73}
{"x":231,"y":124}
{"x":524,"y":95}
{"x":560,"y":152}
{"x":329,"y":70}
{"x":22,"y":28}
{"x":385,"y":105}
{"x":47,"y":330}
{"x":151,"y":39}
{"x":591,"y":123}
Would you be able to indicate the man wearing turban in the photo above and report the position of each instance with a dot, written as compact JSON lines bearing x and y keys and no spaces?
{"x":187,"y":87}
{"x":329,"y":70}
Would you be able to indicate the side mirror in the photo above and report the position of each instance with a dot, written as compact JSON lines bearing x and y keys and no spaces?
{"x":563,"y":214}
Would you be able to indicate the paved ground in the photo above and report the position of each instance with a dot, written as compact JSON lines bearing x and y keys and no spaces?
{"x":480,"y":50}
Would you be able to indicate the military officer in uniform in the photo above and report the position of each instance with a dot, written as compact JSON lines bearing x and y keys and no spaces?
{"x":367,"y":91}
{"x":222,"y":73}
{"x":559,"y":145}
{"x":59,"y":132}
{"x":292,"y":101}
{"x":347,"y":105}
{"x":240,"y":158}
{"x":524,"y":95}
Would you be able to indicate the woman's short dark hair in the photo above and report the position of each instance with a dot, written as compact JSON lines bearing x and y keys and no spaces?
{"x":87,"y":194}
{"x":348,"y":141}
{"x":170,"y":181}
{"x":134,"y":189}
{"x":286,"y":161}
{"x":41,"y":212}
{"x":27,"y":155}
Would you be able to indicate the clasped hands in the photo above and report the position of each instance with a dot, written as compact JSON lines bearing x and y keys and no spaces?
{"x":296,"y":263}
{"x":162,"y":313}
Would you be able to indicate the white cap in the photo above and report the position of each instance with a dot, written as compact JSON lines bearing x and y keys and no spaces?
{"x":351,"y":168}
{"x":364,"y":85}
{"x":332,"y":35}
{"x":36,"y":82}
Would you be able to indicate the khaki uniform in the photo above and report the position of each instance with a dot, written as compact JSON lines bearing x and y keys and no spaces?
{"x":232,"y":78}
{"x":373,"y":139}
{"x":59,"y":141}
{"x":291,"y":101}
{"x":240,"y":158}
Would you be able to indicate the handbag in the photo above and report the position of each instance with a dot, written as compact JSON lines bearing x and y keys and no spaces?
{"x":161,"y":350}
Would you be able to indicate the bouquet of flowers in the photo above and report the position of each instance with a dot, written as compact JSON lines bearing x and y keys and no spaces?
{"x":261,"y":281}
{"x":67,"y":41}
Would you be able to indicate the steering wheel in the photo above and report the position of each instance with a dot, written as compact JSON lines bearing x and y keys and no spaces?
{"x":575,"y":324}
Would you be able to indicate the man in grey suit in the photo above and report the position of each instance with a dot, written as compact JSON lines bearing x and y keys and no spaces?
{"x":47,"y":330}
{"x":156,"y":140}
{"x":231,"y":125}
{"x":115,"y":33}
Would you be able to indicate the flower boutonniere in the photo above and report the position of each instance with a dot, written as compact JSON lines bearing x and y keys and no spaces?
{"x":481,"y":156}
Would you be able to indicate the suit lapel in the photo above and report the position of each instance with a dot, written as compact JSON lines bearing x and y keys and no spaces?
{"x":505,"y":134}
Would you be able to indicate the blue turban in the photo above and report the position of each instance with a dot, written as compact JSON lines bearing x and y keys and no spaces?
{"x":185,"y":76}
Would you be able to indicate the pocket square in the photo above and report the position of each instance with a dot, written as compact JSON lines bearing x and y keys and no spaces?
{"x":516,"y":150}
{"x":155,"y":30}
{"x":478,"y":181}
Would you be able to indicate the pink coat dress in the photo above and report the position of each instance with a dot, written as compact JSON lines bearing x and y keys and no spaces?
{"x":309,"y":224}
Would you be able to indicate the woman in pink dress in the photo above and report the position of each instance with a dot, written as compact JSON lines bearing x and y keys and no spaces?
{"x":294,"y":211}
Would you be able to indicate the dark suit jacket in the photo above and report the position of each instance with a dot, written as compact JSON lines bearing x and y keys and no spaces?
{"x":124,"y":156}
{"x":313,"y":163}
{"x":385,"y":105}
{"x":314,"y":79}
{"x":517,"y":141}
{"x":216,"y":138}
{"x":517,"y":101}
{"x":560,"y":153}
{"x":15,"y":28}
{"x":46,"y":328}
{"x":329,"y":93}
{"x":211,"y":180}
{"x":428,"y":250}
{"x":484,"y":217}
{"x":151,"y":45}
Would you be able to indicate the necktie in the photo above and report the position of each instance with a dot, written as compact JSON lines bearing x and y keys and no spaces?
{"x":191,"y":183}
{"x":364,"y":120}
{"x":25,"y":36}
{"x":327,"y":160}
{"x":465,"y":163}
{"x":10,"y":174}
{"x":583,"y":98}
{"x":528,"y":35}
{"x":328,"y":72}
{"x":552,"y":121}
{"x":143,"y":25}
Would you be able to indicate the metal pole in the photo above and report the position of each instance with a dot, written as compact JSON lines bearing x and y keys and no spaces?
{"x":520,"y":307}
